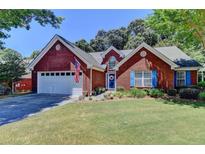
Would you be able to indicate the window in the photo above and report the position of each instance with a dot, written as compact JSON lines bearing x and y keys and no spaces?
{"x":73,"y":73}
{"x":67,"y":73}
{"x":47,"y":74}
{"x":112,"y":62}
{"x":52,"y":74}
{"x":42,"y":74}
{"x":57,"y":74}
{"x":62,"y":74}
{"x":80,"y":73}
{"x":143,"y":79}
{"x":180,"y":78}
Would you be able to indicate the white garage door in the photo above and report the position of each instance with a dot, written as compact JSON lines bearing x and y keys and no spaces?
{"x":59,"y":83}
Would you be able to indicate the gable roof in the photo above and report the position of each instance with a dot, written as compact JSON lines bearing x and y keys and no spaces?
{"x":178,"y":56}
{"x":85,"y":57}
{"x":98,"y":55}
{"x":110,"y":49}
{"x":153,"y":50}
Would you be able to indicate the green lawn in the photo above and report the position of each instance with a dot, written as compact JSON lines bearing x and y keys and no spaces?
{"x":139,"y":121}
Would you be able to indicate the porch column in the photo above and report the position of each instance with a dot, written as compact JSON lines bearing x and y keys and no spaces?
{"x":91,"y":80}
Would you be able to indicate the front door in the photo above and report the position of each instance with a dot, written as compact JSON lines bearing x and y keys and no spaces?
{"x":111,"y":80}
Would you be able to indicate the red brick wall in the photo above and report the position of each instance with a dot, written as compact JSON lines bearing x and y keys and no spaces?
{"x":23,"y":85}
{"x":193,"y":77}
{"x":108,"y":55}
{"x":59,"y":61}
{"x":98,"y":79}
{"x":150,"y":62}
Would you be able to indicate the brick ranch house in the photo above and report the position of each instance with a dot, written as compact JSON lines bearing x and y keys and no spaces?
{"x":164,"y":67}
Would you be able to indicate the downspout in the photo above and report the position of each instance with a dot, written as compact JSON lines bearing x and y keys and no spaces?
{"x":91,"y":80}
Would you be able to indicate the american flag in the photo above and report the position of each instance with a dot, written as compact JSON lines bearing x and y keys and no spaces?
{"x":77,"y":71}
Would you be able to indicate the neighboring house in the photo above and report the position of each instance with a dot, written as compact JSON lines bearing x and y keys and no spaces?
{"x":24,"y":84}
{"x":144,"y":67}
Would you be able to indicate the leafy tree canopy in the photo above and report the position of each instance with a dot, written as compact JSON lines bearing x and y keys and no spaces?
{"x":84,"y":45}
{"x":34,"y":54}
{"x":11,"y":65}
{"x":183,"y":28}
{"x":22,"y":18}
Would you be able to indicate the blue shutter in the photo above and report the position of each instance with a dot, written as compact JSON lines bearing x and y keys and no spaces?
{"x":188,"y":78}
{"x":132,"y":78}
{"x":175,"y":79}
{"x":154,"y":78}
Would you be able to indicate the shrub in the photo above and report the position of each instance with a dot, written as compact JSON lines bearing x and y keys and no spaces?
{"x":4,"y":90}
{"x":119,"y":94}
{"x":99,"y":90}
{"x":120,"y":88}
{"x":201,"y":84}
{"x":189,"y":93}
{"x":202,"y":95}
{"x":138,"y":93}
{"x":172,"y":92}
{"x":155,"y":93}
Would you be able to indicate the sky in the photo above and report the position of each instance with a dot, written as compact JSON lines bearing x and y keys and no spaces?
{"x":78,"y":24}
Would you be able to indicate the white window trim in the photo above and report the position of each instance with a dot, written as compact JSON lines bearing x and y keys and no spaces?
{"x":107,"y":80}
{"x":143,"y":78}
{"x":180,"y":78}
{"x":109,"y":62}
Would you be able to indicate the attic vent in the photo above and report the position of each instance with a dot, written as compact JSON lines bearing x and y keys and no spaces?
{"x":143,"y":53}
{"x":58,"y":47}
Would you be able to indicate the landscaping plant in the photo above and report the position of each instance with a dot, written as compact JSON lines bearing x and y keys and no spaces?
{"x":155,"y":93}
{"x":138,"y":93}
{"x":202,"y":95}
{"x":172,"y":92}
{"x":189,"y":93}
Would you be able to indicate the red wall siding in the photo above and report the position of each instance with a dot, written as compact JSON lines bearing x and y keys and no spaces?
{"x":98,"y":79}
{"x":23,"y":85}
{"x":150,"y":62}
{"x":194,"y":77}
{"x":108,"y":55}
{"x":59,"y":61}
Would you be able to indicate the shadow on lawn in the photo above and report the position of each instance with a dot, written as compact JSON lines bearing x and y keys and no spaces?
{"x":178,"y":101}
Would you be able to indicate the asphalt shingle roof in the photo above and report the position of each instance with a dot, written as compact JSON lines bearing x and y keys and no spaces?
{"x":172,"y":52}
{"x":178,"y":56}
{"x":90,"y":59}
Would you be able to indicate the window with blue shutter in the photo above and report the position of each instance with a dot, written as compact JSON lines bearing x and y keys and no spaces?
{"x":188,"y":78}
{"x":175,"y":79}
{"x":154,"y":78}
{"x":132,"y":78}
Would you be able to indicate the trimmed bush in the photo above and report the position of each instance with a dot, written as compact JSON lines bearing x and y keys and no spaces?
{"x":99,"y":90}
{"x":120,"y":88}
{"x":201,"y":84}
{"x":137,"y":93}
{"x":172,"y":92}
{"x":189,"y":93}
{"x":202,"y":95}
{"x":155,"y":93}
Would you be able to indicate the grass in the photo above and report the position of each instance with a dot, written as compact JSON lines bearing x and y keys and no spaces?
{"x":138,"y":121}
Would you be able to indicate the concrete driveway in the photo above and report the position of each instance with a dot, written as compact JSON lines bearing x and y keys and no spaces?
{"x":17,"y":108}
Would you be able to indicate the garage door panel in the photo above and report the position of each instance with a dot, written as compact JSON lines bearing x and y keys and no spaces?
{"x":59,"y":84}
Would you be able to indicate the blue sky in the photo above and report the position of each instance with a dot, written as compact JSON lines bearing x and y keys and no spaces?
{"x":78,"y":24}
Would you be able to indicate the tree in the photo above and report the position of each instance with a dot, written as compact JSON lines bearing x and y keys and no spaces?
{"x":84,"y":45}
{"x":115,"y":37}
{"x":34,"y":54}
{"x":184,"y":28}
{"x":11,"y":66}
{"x":22,"y":18}
{"x":138,"y":32}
